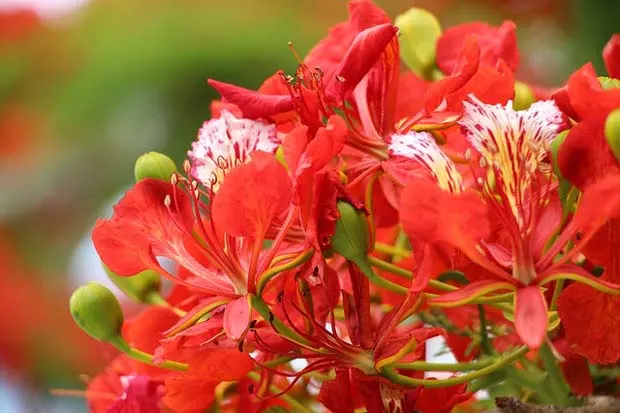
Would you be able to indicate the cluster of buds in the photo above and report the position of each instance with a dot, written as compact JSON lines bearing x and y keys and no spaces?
{"x":400,"y":186}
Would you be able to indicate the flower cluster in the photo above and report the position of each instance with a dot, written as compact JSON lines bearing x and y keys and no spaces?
{"x":401,"y":185}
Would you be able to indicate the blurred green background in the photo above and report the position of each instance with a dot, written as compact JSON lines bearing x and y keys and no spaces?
{"x":86,"y":89}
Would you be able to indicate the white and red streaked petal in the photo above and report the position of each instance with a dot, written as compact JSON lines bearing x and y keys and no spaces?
{"x":422,"y":148}
{"x":514,"y":144}
{"x":226,"y":142}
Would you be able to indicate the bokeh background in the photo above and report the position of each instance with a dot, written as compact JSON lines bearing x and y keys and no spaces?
{"x":88,"y":85}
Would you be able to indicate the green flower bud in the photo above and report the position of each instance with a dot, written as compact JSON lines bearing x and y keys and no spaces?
{"x":417,"y":35}
{"x":142,"y":287}
{"x":524,"y":96}
{"x":351,"y":236}
{"x":154,"y":165}
{"x":609,"y":83}
{"x":97,"y":311}
{"x":612,"y":131}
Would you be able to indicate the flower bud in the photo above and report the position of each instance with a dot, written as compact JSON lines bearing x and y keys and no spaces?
{"x":609,"y":83}
{"x":351,"y":236}
{"x":142,"y":287}
{"x":154,"y":165}
{"x":612,"y":131}
{"x":418,"y":33}
{"x":97,"y":311}
{"x":524,"y":96}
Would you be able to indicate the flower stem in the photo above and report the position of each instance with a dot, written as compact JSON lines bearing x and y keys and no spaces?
{"x":264,"y":278}
{"x":392,"y":250}
{"x":426,"y":366}
{"x":396,"y":378}
{"x":146,"y":358}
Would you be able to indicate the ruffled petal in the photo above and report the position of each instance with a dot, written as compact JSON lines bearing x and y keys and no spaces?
{"x":495,"y":43}
{"x":591,"y":320}
{"x":251,"y":196}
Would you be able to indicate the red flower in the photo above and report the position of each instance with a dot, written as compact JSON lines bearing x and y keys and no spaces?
{"x":119,"y":390}
{"x":511,"y":147}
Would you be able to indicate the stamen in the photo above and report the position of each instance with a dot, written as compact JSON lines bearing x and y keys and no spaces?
{"x":292,"y":47}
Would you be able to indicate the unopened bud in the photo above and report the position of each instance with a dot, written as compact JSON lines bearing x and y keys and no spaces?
{"x":554,"y":148}
{"x":612,"y":131}
{"x":97,"y":311}
{"x":524,"y":96}
{"x":142,"y":287}
{"x":609,"y":83}
{"x":154,"y":165}
{"x":351,"y":236}
{"x":418,"y":33}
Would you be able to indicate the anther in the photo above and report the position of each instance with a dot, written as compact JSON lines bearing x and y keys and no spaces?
{"x":468,"y":154}
{"x":187,"y":167}
{"x":174,"y":179}
{"x":340,"y":79}
{"x":167,"y":201}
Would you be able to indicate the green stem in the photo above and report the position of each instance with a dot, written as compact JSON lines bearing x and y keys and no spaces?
{"x":264,"y":278}
{"x":559,"y":285}
{"x":557,"y":385}
{"x":396,"y":378}
{"x":392,"y":250}
{"x":295,"y":405}
{"x":395,"y":269}
{"x":364,"y":265}
{"x":146,"y":358}
{"x":485,"y":344}
{"x":426,"y":366}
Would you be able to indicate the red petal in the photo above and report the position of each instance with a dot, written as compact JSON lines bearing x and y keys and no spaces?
{"x":253,"y":104}
{"x":611,"y":56}
{"x":222,"y":365}
{"x":602,"y":249}
{"x":431,"y":215}
{"x":251,"y":196}
{"x":189,"y":395}
{"x":531,"y":316}
{"x":590,"y":320}
{"x":600,"y":203}
{"x":441,"y":400}
{"x":576,"y":371}
{"x":587,"y":96}
{"x":142,"y":228}
{"x":469,"y":61}
{"x":489,"y":84}
{"x":495,"y":43}
{"x":360,"y":58}
{"x":327,"y":143}
{"x":330,"y":51}
{"x":585,"y":156}
{"x":562,"y":99}
{"x":332,"y":392}
{"x":237,"y":318}
{"x":145,"y":331}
